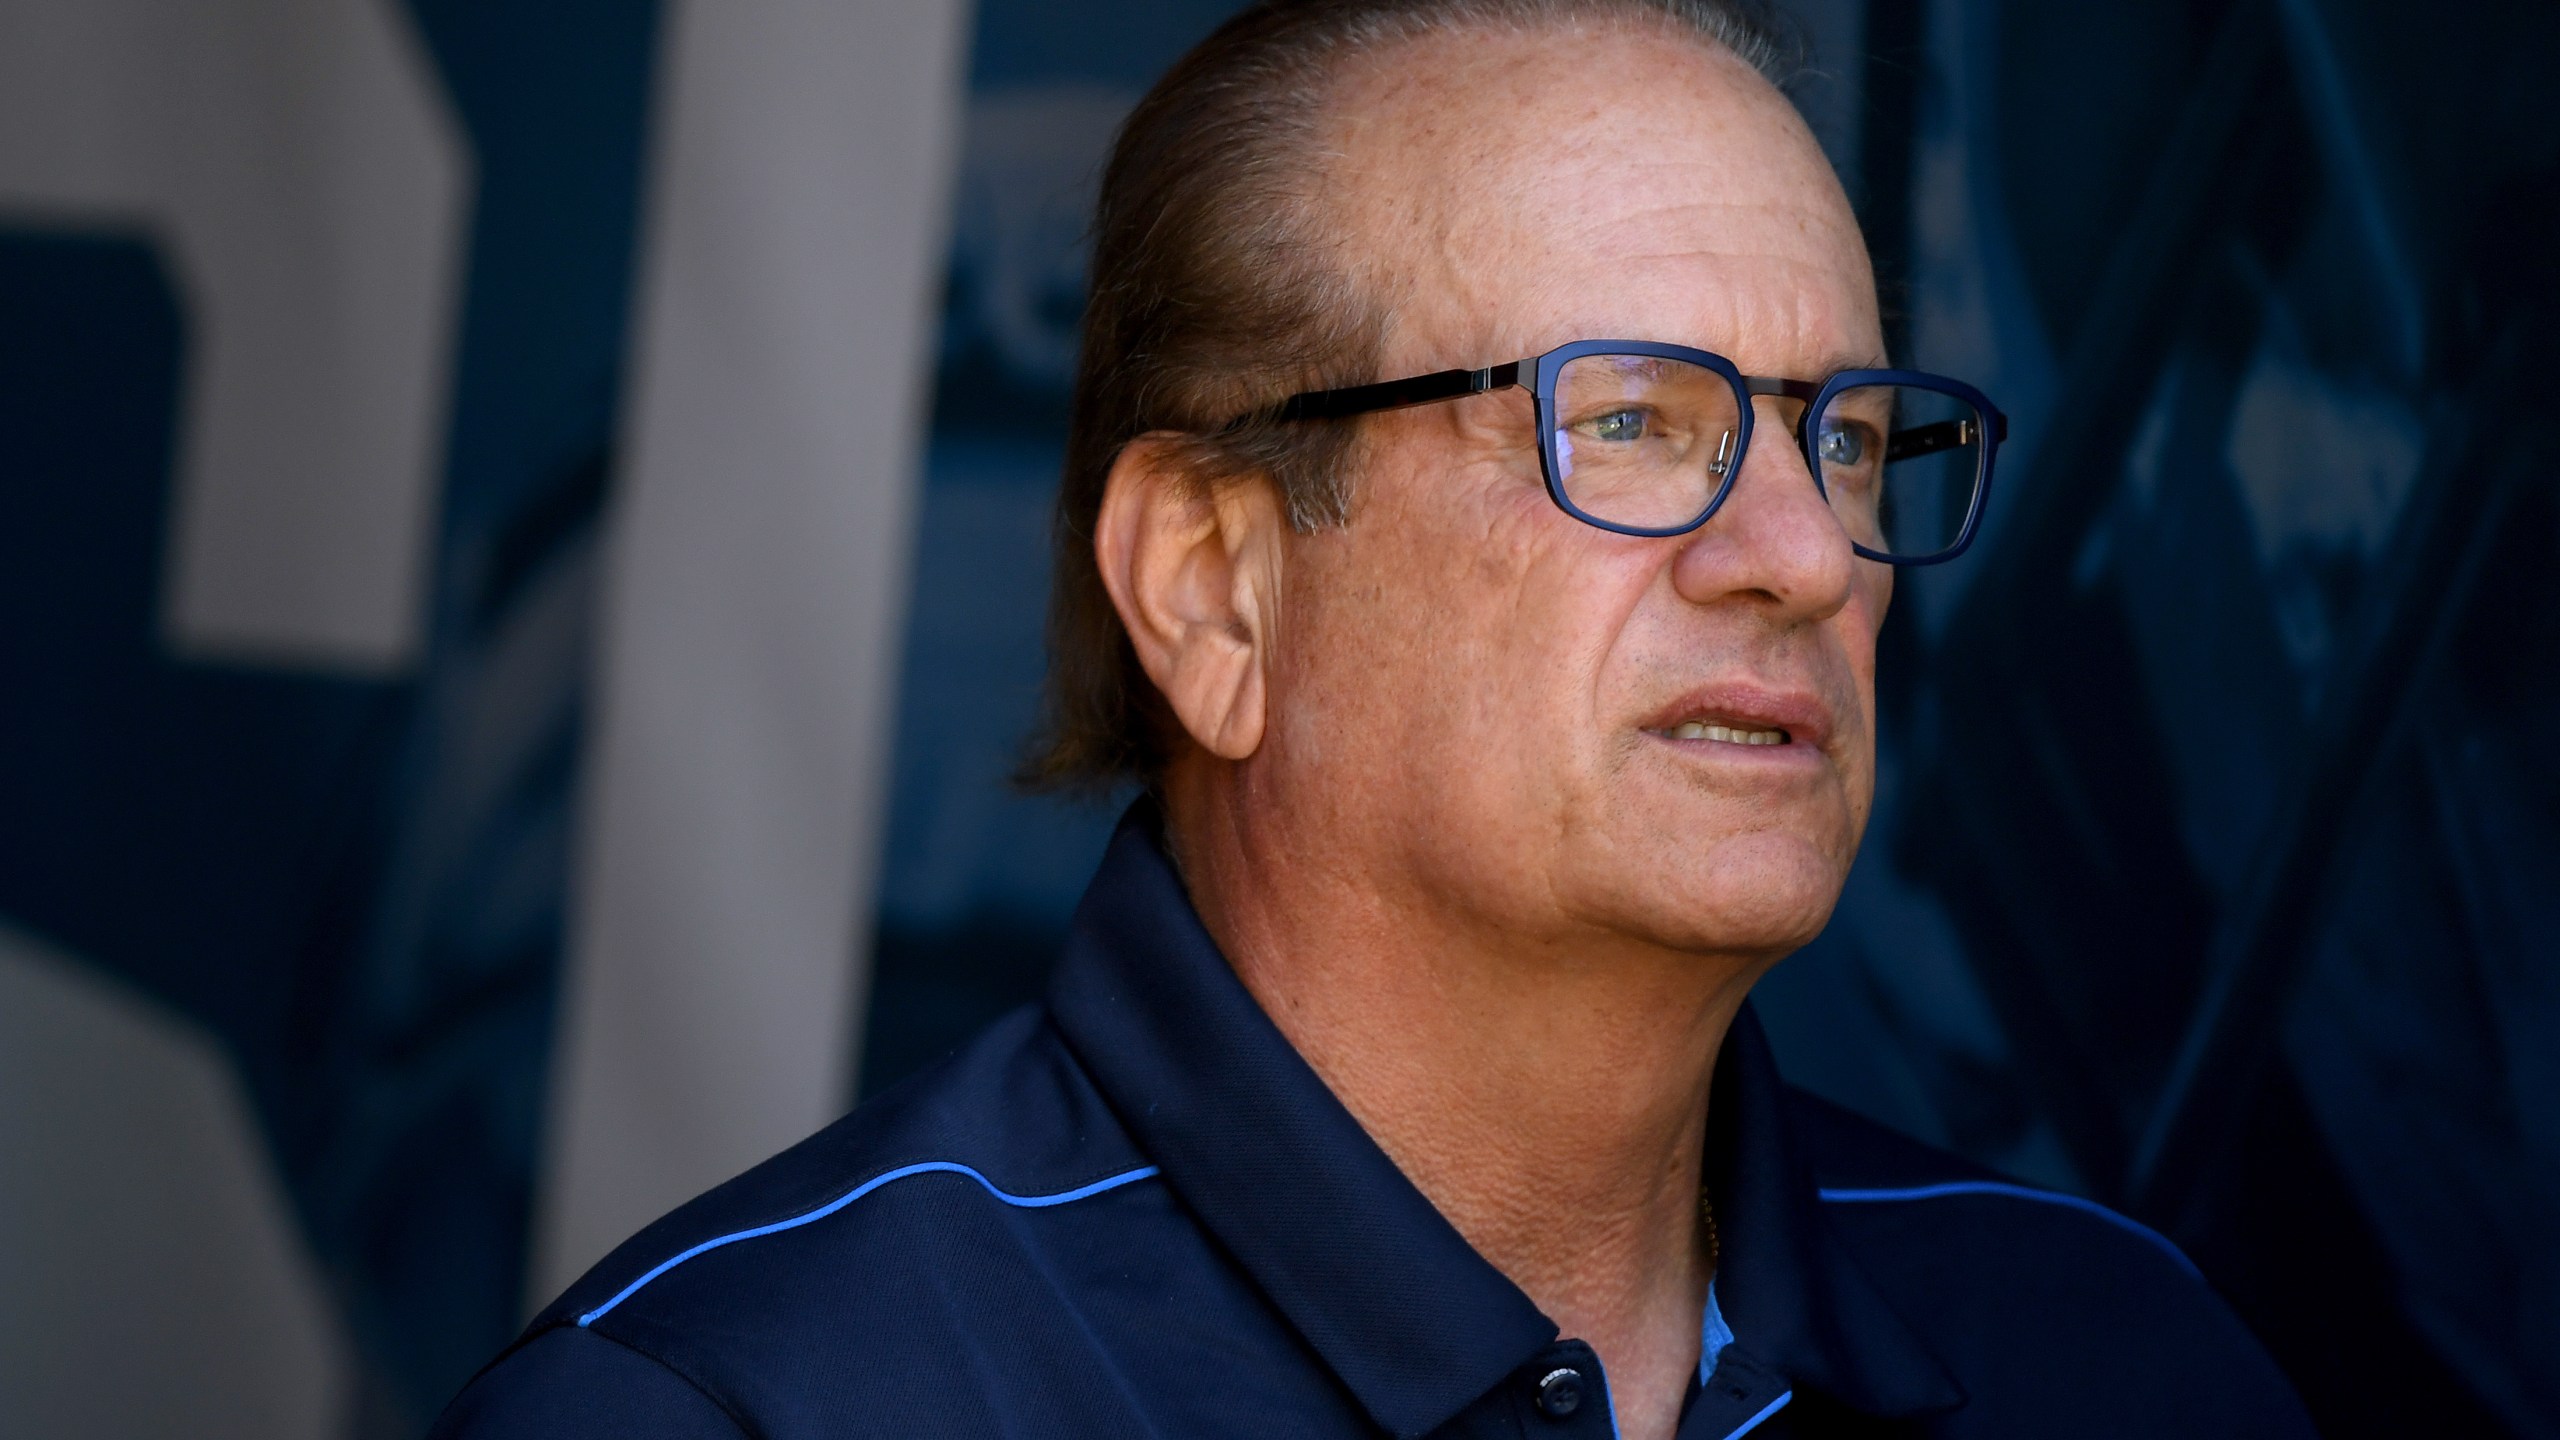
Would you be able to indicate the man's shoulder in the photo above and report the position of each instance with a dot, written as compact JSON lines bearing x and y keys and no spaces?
{"x":1009,"y":1120}
{"x":903,"y":1219}
{"x":2034,"y":1296}
{"x":1875,"y":1182}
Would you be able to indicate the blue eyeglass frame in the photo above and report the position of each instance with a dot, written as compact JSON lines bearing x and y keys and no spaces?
{"x":1539,"y":373}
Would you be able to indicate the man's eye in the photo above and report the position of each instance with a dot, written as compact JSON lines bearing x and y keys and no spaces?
{"x":1620,"y":425}
{"x":1842,"y":445}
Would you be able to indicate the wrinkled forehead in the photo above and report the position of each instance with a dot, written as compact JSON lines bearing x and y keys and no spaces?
{"x":1504,"y":191}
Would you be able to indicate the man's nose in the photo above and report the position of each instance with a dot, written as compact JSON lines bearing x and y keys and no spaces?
{"x":1775,"y":537}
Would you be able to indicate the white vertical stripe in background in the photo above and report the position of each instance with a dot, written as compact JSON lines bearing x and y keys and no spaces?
{"x":791,"y":250}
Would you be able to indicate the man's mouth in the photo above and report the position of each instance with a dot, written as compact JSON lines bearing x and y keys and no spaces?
{"x":1725,"y":734}
{"x":1752,"y":716}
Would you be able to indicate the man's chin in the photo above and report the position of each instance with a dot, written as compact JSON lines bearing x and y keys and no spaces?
{"x":1766,"y":901}
{"x":1765,"y":933}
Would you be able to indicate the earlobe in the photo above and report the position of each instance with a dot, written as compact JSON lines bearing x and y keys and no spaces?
{"x":1192,"y":568}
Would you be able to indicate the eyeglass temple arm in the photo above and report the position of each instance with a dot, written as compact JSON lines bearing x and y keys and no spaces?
{"x":1903,"y":444}
{"x":1450,"y":384}
{"x":1397,"y":394}
{"x":1945,"y":435}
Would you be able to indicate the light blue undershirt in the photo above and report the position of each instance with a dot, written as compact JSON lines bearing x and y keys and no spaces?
{"x":1713,"y":1335}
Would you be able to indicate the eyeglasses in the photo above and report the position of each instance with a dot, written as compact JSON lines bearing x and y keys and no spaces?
{"x":1645,"y":439}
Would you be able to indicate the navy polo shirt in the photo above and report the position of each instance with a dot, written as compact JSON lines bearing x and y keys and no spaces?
{"x":1135,"y":1211}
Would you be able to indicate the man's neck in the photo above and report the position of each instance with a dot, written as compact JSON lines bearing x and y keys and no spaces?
{"x":1549,"y":1097}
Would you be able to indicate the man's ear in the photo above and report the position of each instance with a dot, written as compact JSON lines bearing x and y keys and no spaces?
{"x":1194,"y":569}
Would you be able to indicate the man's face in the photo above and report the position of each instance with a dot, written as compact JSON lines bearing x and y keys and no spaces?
{"x":1484,"y":696}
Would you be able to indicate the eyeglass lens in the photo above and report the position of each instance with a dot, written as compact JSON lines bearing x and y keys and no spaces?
{"x":1648,"y":443}
{"x":1900,"y":464}
{"x":1643,"y":441}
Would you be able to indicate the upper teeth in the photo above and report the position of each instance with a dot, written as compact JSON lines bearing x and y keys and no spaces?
{"x":1699,"y":730}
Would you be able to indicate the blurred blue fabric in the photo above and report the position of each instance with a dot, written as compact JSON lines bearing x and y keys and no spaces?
{"x":357,"y":885}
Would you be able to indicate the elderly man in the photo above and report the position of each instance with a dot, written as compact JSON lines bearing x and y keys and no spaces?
{"x":1485,"y":489}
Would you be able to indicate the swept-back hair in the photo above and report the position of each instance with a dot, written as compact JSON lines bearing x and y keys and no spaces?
{"x":1217,"y":291}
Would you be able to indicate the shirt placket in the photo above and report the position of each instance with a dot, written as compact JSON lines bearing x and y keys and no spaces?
{"x":1560,"y":1393}
{"x":1742,"y":1397}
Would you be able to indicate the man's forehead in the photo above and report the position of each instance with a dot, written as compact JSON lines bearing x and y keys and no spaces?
{"x":1514,"y":189}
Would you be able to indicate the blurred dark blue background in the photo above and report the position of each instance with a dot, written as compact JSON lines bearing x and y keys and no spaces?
{"x":2217,"y":854}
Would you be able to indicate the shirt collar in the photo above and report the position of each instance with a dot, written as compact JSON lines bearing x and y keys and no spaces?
{"x":1794,"y":1298}
{"x":1412,"y":1319}
{"x":1404,"y":1311}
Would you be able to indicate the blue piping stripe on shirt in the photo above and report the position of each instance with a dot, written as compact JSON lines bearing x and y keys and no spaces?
{"x":1772,"y":1408}
{"x":929,"y":1167}
{"x":2167,"y":1246}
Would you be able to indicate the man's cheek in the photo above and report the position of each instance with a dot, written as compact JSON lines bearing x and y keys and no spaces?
{"x":1875,"y":593}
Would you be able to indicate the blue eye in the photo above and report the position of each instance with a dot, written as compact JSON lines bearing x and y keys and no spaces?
{"x":1620,"y":425}
{"x":1841,"y":445}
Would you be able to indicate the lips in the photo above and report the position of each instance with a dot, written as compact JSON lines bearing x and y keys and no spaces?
{"x":1729,"y":734}
{"x":1745,"y":715}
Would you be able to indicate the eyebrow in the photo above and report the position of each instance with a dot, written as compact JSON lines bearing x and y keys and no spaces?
{"x":1836,"y":362}
{"x":1824,"y":369}
{"x":1648,"y":364}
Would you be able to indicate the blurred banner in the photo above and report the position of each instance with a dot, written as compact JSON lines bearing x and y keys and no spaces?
{"x":455,"y":464}
{"x":976,"y":878}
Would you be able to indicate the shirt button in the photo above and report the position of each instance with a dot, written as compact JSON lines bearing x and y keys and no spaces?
{"x":1560,"y":1392}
